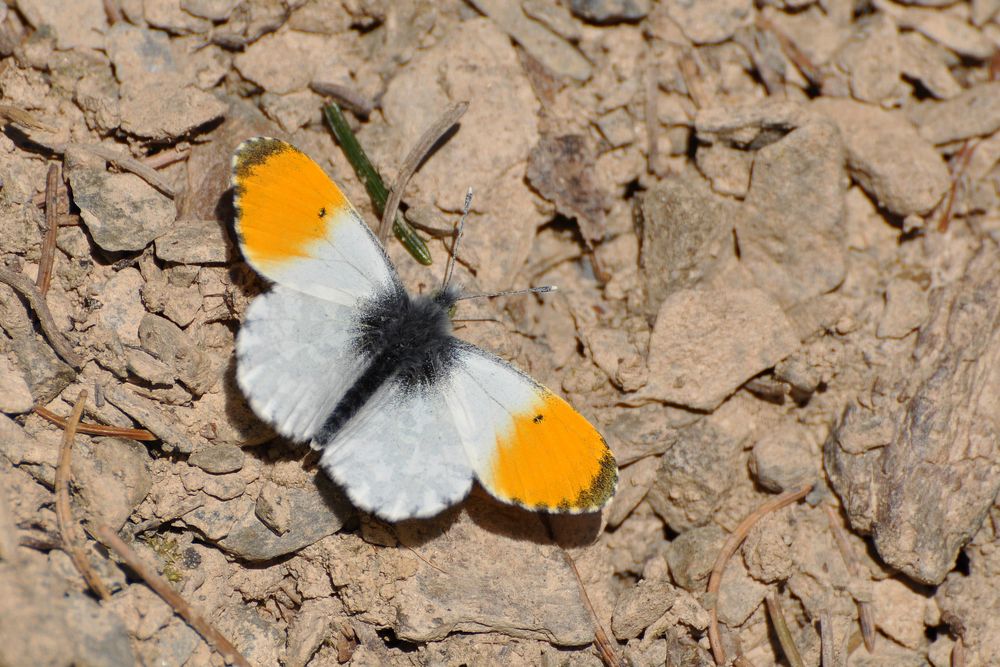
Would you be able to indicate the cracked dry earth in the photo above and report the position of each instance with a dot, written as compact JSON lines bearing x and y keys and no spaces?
{"x":775,"y":230}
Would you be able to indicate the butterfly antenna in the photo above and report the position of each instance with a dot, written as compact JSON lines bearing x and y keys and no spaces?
{"x":529,"y":290}
{"x":458,"y":238}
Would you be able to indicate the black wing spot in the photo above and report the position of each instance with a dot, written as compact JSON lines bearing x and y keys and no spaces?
{"x":538,"y":419}
{"x":322,"y":212}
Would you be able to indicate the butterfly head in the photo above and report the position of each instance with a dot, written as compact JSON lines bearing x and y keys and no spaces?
{"x":447,"y":298}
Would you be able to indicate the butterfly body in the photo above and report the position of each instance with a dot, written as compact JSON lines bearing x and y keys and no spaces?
{"x":405,"y":338}
{"x":338,"y":354}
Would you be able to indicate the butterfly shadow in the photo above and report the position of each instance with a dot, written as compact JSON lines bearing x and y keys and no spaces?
{"x":487,"y":513}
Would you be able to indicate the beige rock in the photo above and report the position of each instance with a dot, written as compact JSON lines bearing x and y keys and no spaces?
{"x":556,"y":18}
{"x":218,"y":459}
{"x":121,"y":305}
{"x":740,"y":595}
{"x":75,"y":25}
{"x":816,"y":32}
{"x":274,"y":509}
{"x":633,"y":485}
{"x":293,"y":110}
{"x":708,"y":342}
{"x":917,"y":465}
{"x":728,"y":168}
{"x":112,"y":476}
{"x":139,"y":54}
{"x":156,"y":417}
{"x":169,"y":15}
{"x":711,"y":22}
{"x":872,"y":60}
{"x":195,"y":242}
{"x":686,"y":238}
{"x":942,"y":27}
{"x":899,"y":612}
{"x":97,"y":95}
{"x":168,"y":343}
{"x":784,"y":459}
{"x":975,"y":112}
{"x":284,"y":61}
{"x":794,"y":244}
{"x":971,"y":606}
{"x":888,"y":157}
{"x":520,"y":587}
{"x":929,"y":64}
{"x":121,"y":211}
{"x":637,"y":607}
{"x":645,"y":430}
{"x":548,"y":48}
{"x":701,"y":468}
{"x":312,"y":624}
{"x":161,"y":112}
{"x":692,"y":554}
{"x":151,"y":370}
{"x":213,"y":10}
{"x":15,"y":396}
{"x":767,"y":550}
{"x":906,"y":309}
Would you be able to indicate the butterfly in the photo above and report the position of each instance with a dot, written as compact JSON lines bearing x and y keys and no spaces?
{"x":338,"y":354}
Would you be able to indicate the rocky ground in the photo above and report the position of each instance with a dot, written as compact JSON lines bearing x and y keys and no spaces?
{"x":775,"y":231}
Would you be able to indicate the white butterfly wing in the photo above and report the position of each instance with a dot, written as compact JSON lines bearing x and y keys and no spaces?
{"x":526,"y":445}
{"x":401,"y":455}
{"x":295,"y":359}
{"x":297,"y":228}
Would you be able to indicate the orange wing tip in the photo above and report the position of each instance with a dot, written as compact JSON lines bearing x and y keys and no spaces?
{"x":592,"y":498}
{"x":285,"y":203}
{"x":255,"y":151}
{"x":601,"y":489}
{"x":553,"y":460}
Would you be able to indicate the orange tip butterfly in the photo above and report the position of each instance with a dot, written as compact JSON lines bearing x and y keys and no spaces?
{"x":340,"y":355}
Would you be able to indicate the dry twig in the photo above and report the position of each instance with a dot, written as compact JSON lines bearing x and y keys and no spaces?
{"x":692,"y":79}
{"x":48,"y":255}
{"x":119,"y":160}
{"x":866,"y":616}
{"x":97,"y":429}
{"x":958,"y":167}
{"x":162,"y":588}
{"x":958,"y":653}
{"x":782,"y":630}
{"x":68,"y":527}
{"x":727,"y":551}
{"x":413,"y":160}
{"x":346,"y":97}
{"x":167,"y":157}
{"x":792,"y":52}
{"x":9,"y":114}
{"x":113,"y":11}
{"x":130,"y":164}
{"x":827,"y":638}
{"x":604,"y":646}
{"x":27,"y":289}
{"x":651,"y":113}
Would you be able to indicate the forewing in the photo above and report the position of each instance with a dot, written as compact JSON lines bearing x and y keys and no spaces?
{"x":297,"y":228}
{"x":295,"y":359}
{"x":400,"y":456}
{"x":526,"y":445}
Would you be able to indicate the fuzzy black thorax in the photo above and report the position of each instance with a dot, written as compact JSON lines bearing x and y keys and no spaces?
{"x":409,"y":336}
{"x":407,"y":339}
